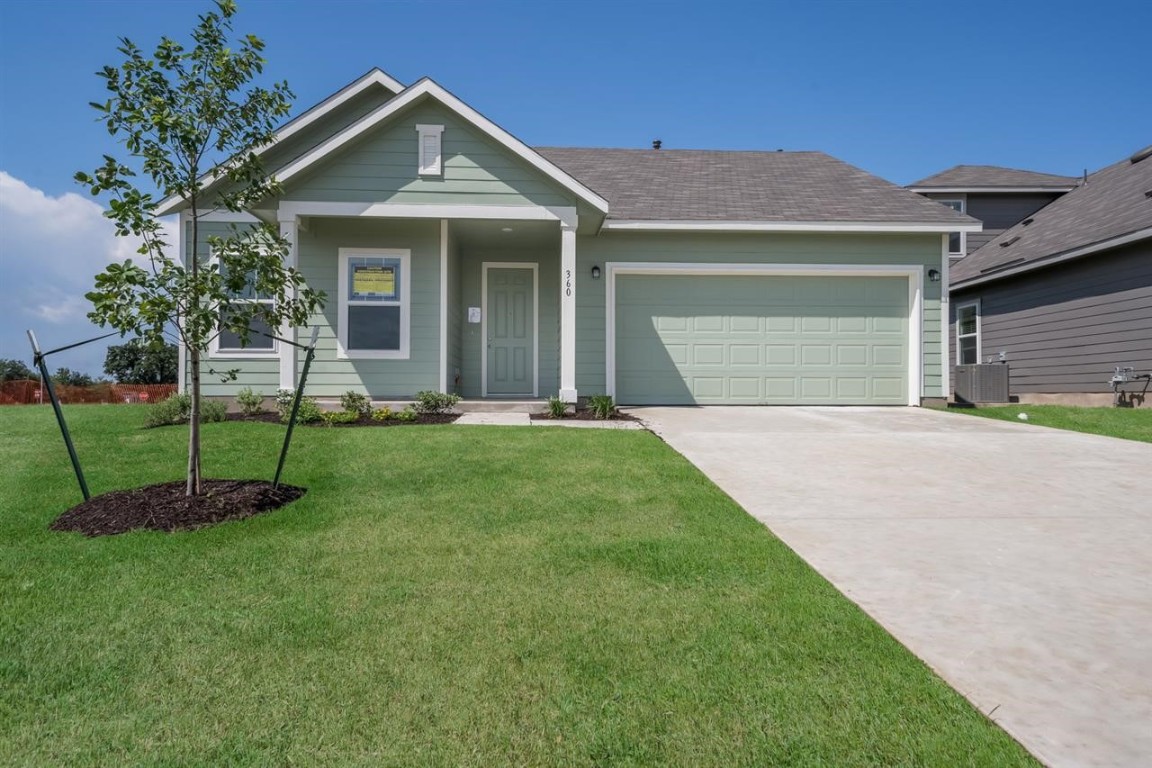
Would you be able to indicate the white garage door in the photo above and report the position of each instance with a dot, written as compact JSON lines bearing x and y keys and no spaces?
{"x":757,"y":339}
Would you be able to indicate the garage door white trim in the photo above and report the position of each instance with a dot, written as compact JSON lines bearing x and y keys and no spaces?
{"x":914,"y":274}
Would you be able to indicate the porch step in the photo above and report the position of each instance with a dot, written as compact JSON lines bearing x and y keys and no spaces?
{"x":501,"y":406}
{"x":464,"y":406}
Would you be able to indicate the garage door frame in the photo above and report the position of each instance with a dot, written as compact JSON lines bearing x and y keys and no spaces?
{"x":913,"y":273}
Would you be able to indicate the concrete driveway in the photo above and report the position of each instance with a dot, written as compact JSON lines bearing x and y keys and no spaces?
{"x":1015,"y":560}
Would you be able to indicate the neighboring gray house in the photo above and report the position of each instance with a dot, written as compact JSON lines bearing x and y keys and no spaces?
{"x":1066,"y":294}
{"x":457,"y":258}
{"x":997,"y":197}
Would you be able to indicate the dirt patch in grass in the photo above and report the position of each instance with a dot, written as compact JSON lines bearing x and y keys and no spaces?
{"x":164,"y":507}
{"x":584,"y":414}
{"x":363,"y":421}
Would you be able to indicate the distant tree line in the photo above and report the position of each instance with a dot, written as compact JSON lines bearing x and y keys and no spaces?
{"x":132,"y":363}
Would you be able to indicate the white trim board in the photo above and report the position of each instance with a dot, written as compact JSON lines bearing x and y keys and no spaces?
{"x":914,"y":273}
{"x":375,"y":76}
{"x":484,"y":267}
{"x":289,"y":210}
{"x":784,"y":226}
{"x":429,"y":88}
{"x":444,"y":305}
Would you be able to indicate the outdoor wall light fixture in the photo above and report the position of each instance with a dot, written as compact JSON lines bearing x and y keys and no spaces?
{"x":596,"y":273}
{"x":934,"y":275}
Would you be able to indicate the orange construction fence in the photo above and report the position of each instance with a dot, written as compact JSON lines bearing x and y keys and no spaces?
{"x":31,"y":393}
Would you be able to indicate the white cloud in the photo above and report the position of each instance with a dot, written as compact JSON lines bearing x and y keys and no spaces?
{"x":51,"y":249}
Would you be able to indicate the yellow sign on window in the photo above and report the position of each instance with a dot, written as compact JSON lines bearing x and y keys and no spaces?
{"x":374,"y":280}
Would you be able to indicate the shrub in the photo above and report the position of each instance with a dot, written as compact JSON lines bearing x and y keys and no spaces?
{"x":602,"y":406}
{"x":213,"y":410}
{"x":557,"y":408}
{"x":381,"y":414}
{"x":435,"y":402}
{"x":251,"y":403}
{"x":177,"y":409}
{"x":354,"y":402}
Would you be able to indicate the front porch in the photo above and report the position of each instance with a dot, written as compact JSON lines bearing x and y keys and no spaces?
{"x":473,"y":303}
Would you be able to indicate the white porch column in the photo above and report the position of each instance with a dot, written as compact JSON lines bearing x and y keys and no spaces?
{"x":288,"y":230}
{"x":568,"y":311}
{"x":182,"y":360}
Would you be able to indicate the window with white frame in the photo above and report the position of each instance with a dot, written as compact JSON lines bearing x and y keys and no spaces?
{"x":429,"y":150}
{"x":260,"y":342}
{"x":968,"y":333}
{"x":374,"y":301}
{"x":956,"y":240}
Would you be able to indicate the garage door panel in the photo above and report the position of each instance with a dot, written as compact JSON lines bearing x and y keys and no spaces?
{"x":760,"y":339}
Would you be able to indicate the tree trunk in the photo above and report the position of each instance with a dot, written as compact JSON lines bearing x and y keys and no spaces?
{"x":193,"y":488}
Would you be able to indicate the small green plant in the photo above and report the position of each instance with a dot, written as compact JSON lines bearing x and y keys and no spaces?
{"x":355,"y":402}
{"x":177,"y":409}
{"x":341,"y":417}
{"x":557,"y":408}
{"x":602,"y":406}
{"x":251,"y":403}
{"x":408,"y":414}
{"x":284,"y":399}
{"x":435,"y":402}
{"x":309,"y":412}
{"x":381,"y":414}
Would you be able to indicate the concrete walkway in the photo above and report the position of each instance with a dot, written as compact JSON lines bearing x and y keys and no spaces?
{"x":1015,"y":560}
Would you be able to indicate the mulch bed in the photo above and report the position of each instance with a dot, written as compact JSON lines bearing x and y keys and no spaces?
{"x":164,"y":507}
{"x":363,"y":421}
{"x":584,"y":414}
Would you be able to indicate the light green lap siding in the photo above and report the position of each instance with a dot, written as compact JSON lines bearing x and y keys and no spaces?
{"x":921,"y":250}
{"x":472,"y":340}
{"x":318,"y":254}
{"x":759,"y":339}
{"x":382,"y":167}
{"x":323,"y":128}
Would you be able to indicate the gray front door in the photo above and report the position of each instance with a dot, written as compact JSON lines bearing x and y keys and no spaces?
{"x":511,"y":331}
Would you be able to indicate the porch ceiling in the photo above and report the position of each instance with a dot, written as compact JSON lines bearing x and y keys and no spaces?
{"x":494,"y":233}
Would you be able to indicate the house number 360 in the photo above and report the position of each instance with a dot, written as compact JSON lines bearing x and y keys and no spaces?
{"x":567,"y":282}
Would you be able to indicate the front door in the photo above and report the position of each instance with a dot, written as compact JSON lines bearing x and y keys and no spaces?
{"x":510,"y":325}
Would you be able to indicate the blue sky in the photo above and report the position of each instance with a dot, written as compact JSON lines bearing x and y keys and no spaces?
{"x":901,"y":89}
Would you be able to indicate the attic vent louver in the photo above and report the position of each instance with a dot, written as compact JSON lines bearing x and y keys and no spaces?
{"x":1009,"y":241}
{"x":1143,"y":154}
{"x":1027,"y":221}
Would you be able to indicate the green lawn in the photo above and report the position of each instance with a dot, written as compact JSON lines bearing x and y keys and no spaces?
{"x":1128,"y":423}
{"x":456,"y":596}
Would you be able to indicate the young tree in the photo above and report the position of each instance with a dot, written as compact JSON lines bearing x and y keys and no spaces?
{"x":192,"y":122}
{"x":139,"y":362}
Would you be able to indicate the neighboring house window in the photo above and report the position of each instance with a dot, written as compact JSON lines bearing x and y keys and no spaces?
{"x":956,"y":240}
{"x":968,"y":333}
{"x":375,"y":308}
{"x":431,"y":160}
{"x":227,"y":342}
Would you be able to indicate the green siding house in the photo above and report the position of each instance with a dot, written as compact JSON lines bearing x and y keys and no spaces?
{"x":456,"y":258}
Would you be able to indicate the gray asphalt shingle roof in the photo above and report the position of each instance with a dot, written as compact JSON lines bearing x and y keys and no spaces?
{"x":1114,"y":202}
{"x":707,"y":185}
{"x":980,"y":176}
